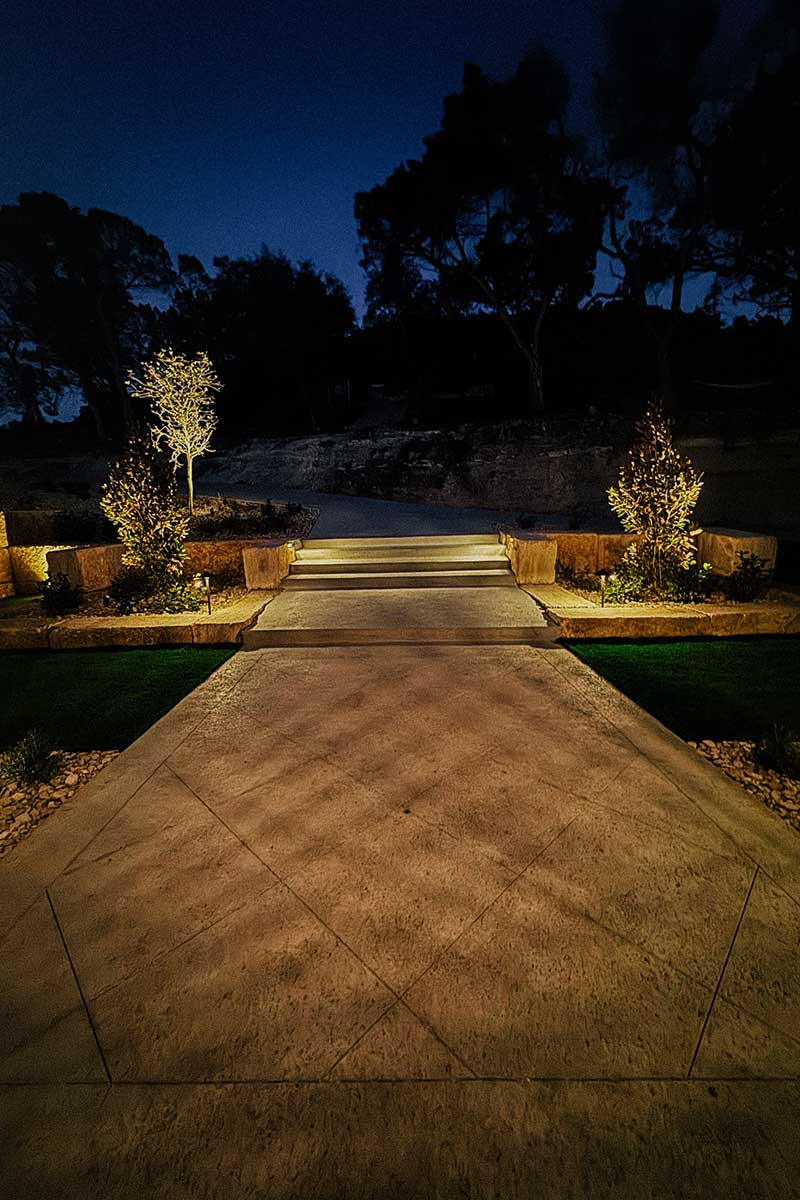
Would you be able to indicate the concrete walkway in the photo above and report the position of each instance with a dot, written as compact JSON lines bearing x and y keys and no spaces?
{"x":403,"y":922}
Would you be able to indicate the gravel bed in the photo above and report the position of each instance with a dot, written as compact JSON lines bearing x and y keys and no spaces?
{"x":23,"y":808}
{"x":779,"y":792}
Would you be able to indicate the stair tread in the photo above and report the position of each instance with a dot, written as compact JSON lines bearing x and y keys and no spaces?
{"x":345,"y":562}
{"x":394,"y":574}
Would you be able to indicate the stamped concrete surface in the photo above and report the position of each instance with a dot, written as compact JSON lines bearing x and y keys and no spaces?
{"x":385,"y":921}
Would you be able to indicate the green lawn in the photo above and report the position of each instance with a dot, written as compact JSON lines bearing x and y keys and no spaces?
{"x":714,"y":688}
{"x":97,"y":699}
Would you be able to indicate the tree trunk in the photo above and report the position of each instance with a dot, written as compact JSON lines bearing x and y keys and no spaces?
{"x":190,"y":483}
{"x":535,"y":383}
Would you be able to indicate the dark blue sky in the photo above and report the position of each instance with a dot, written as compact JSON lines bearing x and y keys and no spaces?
{"x":223,"y":126}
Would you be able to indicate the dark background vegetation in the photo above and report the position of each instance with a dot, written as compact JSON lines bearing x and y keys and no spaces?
{"x":515,"y":269}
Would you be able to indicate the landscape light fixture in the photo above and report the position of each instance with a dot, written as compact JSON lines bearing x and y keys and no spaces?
{"x":603,"y":580}
{"x":207,"y":582}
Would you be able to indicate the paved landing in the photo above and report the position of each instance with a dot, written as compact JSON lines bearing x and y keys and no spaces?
{"x":403,"y":921}
{"x":471,"y":615}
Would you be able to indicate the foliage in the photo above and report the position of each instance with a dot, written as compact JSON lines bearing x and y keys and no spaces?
{"x":68,"y":288}
{"x":655,"y":497}
{"x":629,"y":580}
{"x":751,"y":579}
{"x":59,"y":596}
{"x":139,"y":591}
{"x":653,"y":96}
{"x":180,"y":390}
{"x":31,"y":760}
{"x":270,"y":326}
{"x":688,"y":584}
{"x":140,"y":499}
{"x":499,"y":215}
{"x":779,"y":750}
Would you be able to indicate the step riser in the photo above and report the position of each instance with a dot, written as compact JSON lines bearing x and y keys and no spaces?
{"x":321,"y":567}
{"x":465,"y":539}
{"x":521,"y":635}
{"x":425,"y":579}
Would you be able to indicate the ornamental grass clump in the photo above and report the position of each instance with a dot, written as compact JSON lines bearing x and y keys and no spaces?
{"x":31,"y":760}
{"x":140,"y":498}
{"x":655,"y":498}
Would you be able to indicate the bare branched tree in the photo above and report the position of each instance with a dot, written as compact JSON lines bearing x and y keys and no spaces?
{"x":180,"y":391}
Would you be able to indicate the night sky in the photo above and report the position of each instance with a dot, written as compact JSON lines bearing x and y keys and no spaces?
{"x":223,"y":126}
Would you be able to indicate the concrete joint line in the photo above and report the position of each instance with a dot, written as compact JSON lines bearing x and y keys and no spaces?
{"x":722,"y":972}
{"x":78,"y":986}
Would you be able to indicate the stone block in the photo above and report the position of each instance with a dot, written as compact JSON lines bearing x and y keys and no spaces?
{"x":6,"y":590}
{"x":92,"y":568}
{"x":577,"y":550}
{"x":29,"y":567}
{"x":267,"y":563}
{"x":3,"y":531}
{"x":720,"y":547}
{"x":617,"y":623}
{"x":532,"y":557}
{"x":6,"y":574}
{"x":218,"y":558}
{"x":611,"y":548}
{"x":159,"y":630}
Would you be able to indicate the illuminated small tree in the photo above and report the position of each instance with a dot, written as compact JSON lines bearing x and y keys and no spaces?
{"x":180,"y":392}
{"x":140,"y":498}
{"x":655,"y":497}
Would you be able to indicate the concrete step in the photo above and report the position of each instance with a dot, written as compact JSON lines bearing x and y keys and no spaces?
{"x":428,"y":540}
{"x":492,"y":552}
{"x":338,"y":566}
{"x":447,"y":616}
{"x":514,"y":635}
{"x":358,"y":580}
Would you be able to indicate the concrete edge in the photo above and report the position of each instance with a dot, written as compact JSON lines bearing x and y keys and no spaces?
{"x":37,"y":862}
{"x":758,"y":832}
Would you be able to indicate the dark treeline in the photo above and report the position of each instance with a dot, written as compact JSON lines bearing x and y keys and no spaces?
{"x":481,"y":258}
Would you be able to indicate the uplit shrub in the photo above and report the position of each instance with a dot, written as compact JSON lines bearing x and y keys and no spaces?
{"x":689,"y":584}
{"x":59,"y":597}
{"x":31,"y":760}
{"x":628,"y":581}
{"x":751,"y":580}
{"x":138,"y":591}
{"x":655,"y":498}
{"x":140,"y":498}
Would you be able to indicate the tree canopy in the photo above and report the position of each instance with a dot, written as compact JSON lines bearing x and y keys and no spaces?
{"x":500,"y":214}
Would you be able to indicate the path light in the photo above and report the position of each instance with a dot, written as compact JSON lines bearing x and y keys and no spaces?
{"x":207,"y":582}
{"x":603,"y":580}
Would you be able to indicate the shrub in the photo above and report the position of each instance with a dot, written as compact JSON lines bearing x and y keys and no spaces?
{"x":138,"y":591}
{"x":140,"y":498}
{"x":688,"y":585}
{"x":655,"y":497}
{"x":31,"y":760}
{"x":629,"y":580}
{"x":59,"y":596}
{"x":751,"y":580}
{"x":779,"y":750}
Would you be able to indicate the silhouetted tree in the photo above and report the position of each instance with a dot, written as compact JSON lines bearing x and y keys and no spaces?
{"x":756,"y":202}
{"x":499,"y":215}
{"x":77,"y":275}
{"x":653,"y":99}
{"x":267,"y":326}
